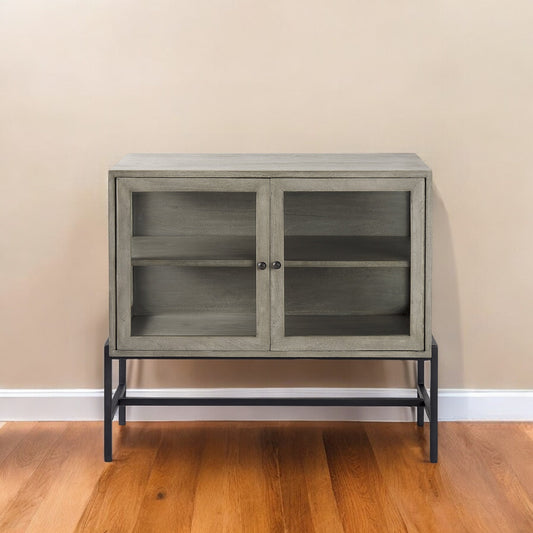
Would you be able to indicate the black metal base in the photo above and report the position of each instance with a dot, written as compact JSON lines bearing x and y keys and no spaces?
{"x":423,"y":402}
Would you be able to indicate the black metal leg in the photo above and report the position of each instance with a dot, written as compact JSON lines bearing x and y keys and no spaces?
{"x":108,"y":399}
{"x":434,"y":399}
{"x":122,"y":381}
{"x":420,"y":381}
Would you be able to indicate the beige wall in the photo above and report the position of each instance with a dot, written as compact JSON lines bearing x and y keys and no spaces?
{"x":83,"y":83}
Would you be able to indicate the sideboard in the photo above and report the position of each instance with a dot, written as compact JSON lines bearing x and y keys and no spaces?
{"x":270,"y":256}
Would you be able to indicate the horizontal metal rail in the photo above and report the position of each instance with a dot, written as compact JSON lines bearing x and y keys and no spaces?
{"x":368,"y":402}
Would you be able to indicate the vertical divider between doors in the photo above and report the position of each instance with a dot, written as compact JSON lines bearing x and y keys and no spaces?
{"x":277,"y":291}
{"x":263,"y":254}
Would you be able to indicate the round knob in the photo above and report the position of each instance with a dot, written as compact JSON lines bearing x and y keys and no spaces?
{"x":261,"y":265}
{"x":276,"y":265}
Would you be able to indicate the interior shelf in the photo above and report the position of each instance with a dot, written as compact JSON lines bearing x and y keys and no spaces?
{"x":200,"y":323}
{"x":346,"y":251}
{"x":196,"y":250}
{"x":195,"y":262}
{"x":346,"y":325}
{"x":300,"y":251}
{"x":244,"y":324}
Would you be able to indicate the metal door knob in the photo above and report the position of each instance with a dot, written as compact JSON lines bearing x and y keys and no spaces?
{"x":261,"y":265}
{"x":276,"y":265}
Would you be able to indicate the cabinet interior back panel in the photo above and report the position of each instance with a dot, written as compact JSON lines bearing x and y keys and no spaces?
{"x":346,"y":291}
{"x":193,"y":213}
{"x":347,"y":213}
{"x":169,"y":289}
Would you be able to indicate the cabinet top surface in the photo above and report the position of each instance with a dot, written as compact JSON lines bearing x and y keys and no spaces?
{"x":276,"y":164}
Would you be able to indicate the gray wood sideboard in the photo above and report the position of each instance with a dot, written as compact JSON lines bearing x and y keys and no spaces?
{"x":270,"y":256}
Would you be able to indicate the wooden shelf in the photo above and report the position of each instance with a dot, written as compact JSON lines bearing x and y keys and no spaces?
{"x":244,"y":324}
{"x":210,"y":250}
{"x":346,"y":251}
{"x":347,"y":264}
{"x":346,"y":325}
{"x":194,"y":262}
{"x":192,"y":324}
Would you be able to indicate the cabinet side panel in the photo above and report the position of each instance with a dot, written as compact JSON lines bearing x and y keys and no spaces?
{"x":429,"y":260}
{"x":111,"y":201}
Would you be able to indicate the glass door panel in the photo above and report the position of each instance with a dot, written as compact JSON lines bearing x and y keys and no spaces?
{"x":352,"y":254}
{"x":190,"y":257}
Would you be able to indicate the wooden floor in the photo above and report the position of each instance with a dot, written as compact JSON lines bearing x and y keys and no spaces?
{"x":266,"y":477}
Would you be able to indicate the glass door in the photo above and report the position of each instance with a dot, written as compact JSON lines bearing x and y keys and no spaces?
{"x":347,"y":264}
{"x":191,"y":264}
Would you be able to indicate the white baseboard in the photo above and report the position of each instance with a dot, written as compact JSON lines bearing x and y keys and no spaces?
{"x":87,"y":404}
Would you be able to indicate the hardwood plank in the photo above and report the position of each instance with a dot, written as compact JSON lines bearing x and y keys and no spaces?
{"x":11,"y":436}
{"x":116,"y":499}
{"x":478,"y":498}
{"x":292,"y":482}
{"x":168,"y":502}
{"x":236,"y":487}
{"x":36,"y":506}
{"x":251,"y":502}
{"x":212,"y":483}
{"x":363,"y":499}
{"x":519,"y":451}
{"x":401,"y":454}
{"x":527,"y":429}
{"x":510,"y":460}
{"x":19,"y":465}
{"x":304,"y":456}
{"x":271,"y":491}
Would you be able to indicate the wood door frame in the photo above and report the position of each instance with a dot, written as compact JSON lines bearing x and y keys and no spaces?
{"x":413,"y":341}
{"x":125,"y":186}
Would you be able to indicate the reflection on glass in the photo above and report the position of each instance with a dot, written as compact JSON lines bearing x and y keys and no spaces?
{"x":347,"y":263}
{"x":193,"y":262}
